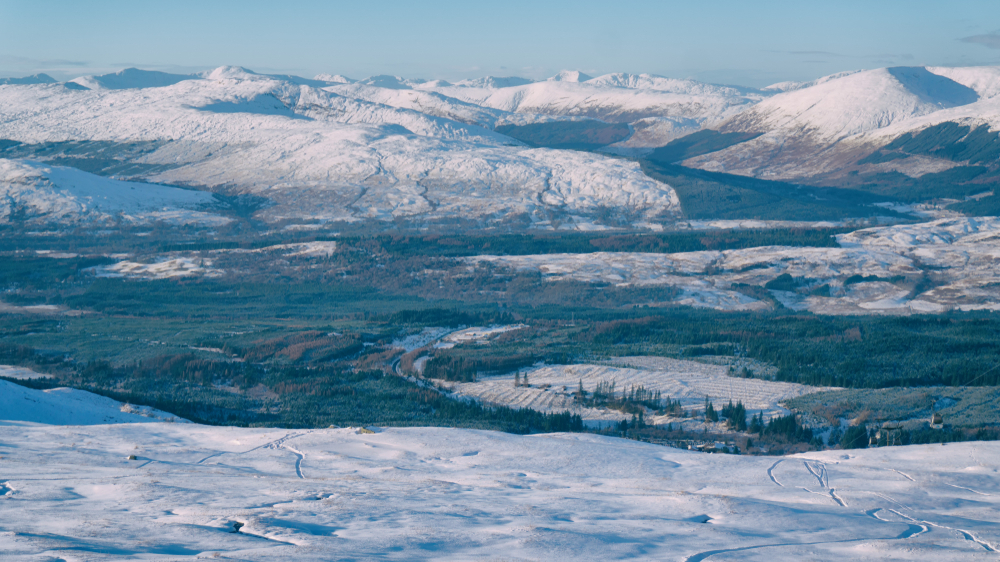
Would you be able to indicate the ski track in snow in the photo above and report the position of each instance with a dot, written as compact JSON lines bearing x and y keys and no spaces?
{"x":770,"y":473}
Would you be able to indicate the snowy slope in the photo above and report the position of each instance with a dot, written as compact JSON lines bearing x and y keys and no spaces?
{"x":446,"y":494}
{"x":37,"y":193}
{"x":318,"y":154}
{"x":827,"y":125}
{"x":67,"y":406}
{"x":618,"y":98}
{"x":985,"y":80}
{"x":430,"y":103}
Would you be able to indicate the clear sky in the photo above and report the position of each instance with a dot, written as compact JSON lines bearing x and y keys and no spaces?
{"x":752,"y":43}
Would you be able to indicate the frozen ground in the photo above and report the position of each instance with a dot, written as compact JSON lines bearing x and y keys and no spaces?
{"x":68,"y":493}
{"x":953,"y":259}
{"x":690,"y":382}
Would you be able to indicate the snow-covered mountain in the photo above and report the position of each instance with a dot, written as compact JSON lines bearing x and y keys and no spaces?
{"x":33,"y":79}
{"x":337,"y":152}
{"x":130,"y":78}
{"x":332,"y":148}
{"x":828,"y":125}
{"x":617,"y":98}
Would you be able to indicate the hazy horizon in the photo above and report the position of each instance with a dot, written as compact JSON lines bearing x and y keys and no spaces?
{"x":725,"y":42}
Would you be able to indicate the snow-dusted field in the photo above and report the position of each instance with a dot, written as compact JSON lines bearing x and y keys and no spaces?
{"x":959,"y":254}
{"x":690,"y":382}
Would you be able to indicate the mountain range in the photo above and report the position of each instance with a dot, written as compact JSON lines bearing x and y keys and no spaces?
{"x":568,"y":152}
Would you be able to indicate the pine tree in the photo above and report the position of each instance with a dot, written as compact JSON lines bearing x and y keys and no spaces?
{"x":710,"y":413}
{"x":517,"y":379}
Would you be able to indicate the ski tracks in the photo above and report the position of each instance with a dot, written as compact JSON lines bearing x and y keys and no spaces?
{"x":770,"y":473}
{"x":818,"y":470}
{"x":280,"y":443}
{"x":298,"y":461}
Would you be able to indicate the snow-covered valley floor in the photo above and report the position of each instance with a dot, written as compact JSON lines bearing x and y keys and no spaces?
{"x":551,"y":388}
{"x":70,"y":493}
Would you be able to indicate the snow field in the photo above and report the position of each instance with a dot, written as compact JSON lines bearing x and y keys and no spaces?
{"x":20,"y":373}
{"x":688,"y":382}
{"x":480,"y":333}
{"x":447,"y":494}
{"x":67,"y":406}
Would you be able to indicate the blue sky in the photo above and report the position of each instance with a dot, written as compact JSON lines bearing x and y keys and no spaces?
{"x":737,"y":42}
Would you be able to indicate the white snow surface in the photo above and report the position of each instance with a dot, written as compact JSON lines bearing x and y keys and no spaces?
{"x":451,"y":494}
{"x":20,"y":373}
{"x":67,"y":406}
{"x":62,"y":194}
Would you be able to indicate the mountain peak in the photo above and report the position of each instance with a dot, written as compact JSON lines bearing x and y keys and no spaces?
{"x":570,"y":76}
{"x":334,"y":78}
{"x":386,"y":81}
{"x":229,"y":73}
{"x":494,"y":82}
